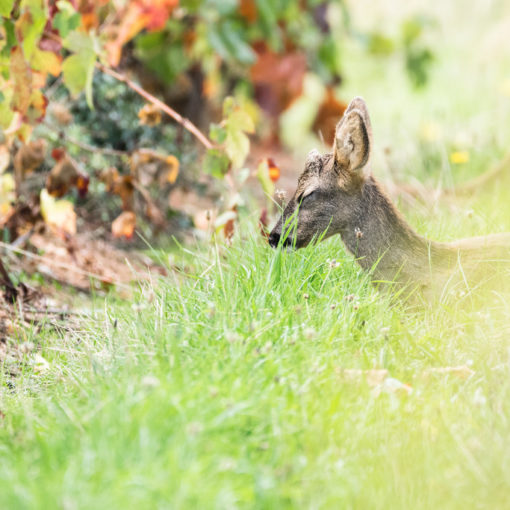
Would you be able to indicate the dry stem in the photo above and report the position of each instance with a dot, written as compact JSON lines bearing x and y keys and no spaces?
{"x":186,"y":123}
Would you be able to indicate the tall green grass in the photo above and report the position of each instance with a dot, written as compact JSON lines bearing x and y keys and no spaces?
{"x":222,"y":387}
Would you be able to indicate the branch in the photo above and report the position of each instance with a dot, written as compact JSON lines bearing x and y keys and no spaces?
{"x":185,"y":123}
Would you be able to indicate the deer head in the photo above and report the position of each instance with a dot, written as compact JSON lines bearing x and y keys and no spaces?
{"x":328,"y":196}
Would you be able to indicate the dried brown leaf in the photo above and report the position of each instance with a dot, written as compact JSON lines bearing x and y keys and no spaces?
{"x":124,"y":225}
{"x":29,"y":157}
{"x":278,"y":78}
{"x":64,"y":175}
{"x":330,"y":110}
{"x":149,"y":115}
{"x":22,"y":77}
{"x":61,"y":114}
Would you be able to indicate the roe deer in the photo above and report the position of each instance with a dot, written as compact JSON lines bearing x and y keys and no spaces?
{"x":336,"y":194}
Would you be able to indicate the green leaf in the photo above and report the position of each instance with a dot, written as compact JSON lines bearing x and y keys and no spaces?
{"x":6,"y":7}
{"x":78,"y":71}
{"x":78,"y":42}
{"x":411,"y":30}
{"x":216,"y":163}
{"x":10,"y":37}
{"x":75,"y":74}
{"x":217,"y":133}
{"x":265,"y":179}
{"x":237,"y":146}
{"x":66,"y":20}
{"x":29,"y":28}
{"x":232,"y":41}
{"x":228,"y":106}
{"x":237,"y":122}
{"x":381,"y":45}
{"x":88,"y":83}
{"x":329,"y":55}
{"x":418,"y":62}
{"x":240,"y":120}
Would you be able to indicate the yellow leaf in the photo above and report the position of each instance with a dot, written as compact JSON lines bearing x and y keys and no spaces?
{"x":149,"y":115}
{"x":173,"y":169}
{"x":7,"y":196}
{"x":7,"y":187}
{"x":58,"y":214}
{"x":459,"y":157}
{"x":46,"y":62}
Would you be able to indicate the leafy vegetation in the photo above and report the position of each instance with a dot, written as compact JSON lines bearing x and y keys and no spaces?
{"x":194,"y":53}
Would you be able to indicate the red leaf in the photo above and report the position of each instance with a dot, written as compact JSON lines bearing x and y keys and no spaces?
{"x":48,"y":43}
{"x":274,"y":170}
{"x":58,"y":153}
{"x":82,"y":185}
{"x":138,"y":14}
{"x":278,"y":78}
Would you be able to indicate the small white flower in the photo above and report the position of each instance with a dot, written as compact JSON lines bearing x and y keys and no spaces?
{"x":280,"y":194}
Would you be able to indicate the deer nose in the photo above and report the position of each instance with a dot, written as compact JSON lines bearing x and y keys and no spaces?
{"x":274,"y":239}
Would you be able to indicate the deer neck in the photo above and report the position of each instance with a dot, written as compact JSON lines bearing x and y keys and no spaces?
{"x":378,"y":236}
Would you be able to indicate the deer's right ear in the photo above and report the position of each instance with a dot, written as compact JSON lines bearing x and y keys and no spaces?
{"x":352,"y":141}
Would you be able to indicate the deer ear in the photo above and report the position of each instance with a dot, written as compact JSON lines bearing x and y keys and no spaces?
{"x":352,"y":140}
{"x":358,"y":103}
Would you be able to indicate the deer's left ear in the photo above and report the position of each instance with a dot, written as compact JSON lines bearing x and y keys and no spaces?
{"x":352,"y":141}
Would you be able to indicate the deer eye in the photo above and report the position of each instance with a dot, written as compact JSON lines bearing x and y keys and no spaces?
{"x":308,"y":198}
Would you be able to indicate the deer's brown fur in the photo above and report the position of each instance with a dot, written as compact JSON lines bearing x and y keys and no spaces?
{"x":336,"y":194}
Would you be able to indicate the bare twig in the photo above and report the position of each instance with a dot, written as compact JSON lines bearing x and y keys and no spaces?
{"x":86,"y":146}
{"x":185,"y":123}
